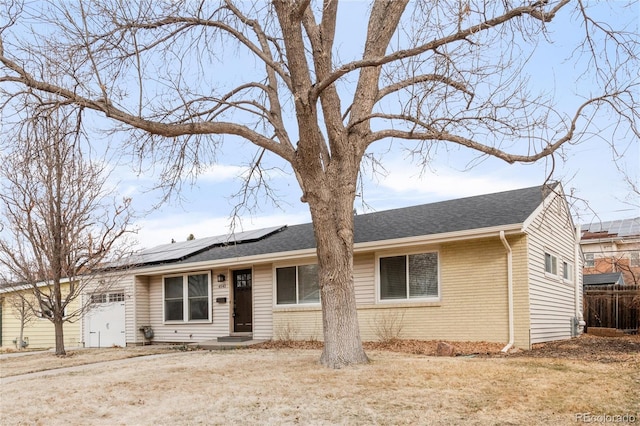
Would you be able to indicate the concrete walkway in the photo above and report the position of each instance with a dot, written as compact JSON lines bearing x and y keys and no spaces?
{"x":214,"y":345}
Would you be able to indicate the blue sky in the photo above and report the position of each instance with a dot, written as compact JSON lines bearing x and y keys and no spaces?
{"x":588,"y":170}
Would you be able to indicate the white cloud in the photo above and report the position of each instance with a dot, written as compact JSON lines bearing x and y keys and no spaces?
{"x":405,"y":179}
{"x":221,"y":173}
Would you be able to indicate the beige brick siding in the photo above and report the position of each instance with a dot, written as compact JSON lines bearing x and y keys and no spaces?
{"x":473,"y":304}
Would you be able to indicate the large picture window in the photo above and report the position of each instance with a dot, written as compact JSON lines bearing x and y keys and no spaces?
{"x":297,"y":285}
{"x":413,"y":276}
{"x":187,"y":298}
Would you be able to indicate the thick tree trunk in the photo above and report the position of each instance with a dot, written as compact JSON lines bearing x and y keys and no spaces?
{"x":57,"y":324}
{"x":21,"y":338}
{"x":333,"y":225}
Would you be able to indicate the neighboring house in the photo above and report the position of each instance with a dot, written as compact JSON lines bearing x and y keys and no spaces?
{"x":612,"y":278}
{"x":38,"y":332}
{"x":503,"y":267}
{"x":612,"y":246}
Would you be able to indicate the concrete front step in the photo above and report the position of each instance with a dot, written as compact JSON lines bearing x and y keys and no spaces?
{"x":215,"y":345}
{"x":229,"y":339}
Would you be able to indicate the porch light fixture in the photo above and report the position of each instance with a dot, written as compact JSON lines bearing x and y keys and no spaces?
{"x":221,"y":278}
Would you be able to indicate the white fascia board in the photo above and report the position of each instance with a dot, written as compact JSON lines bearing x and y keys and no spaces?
{"x":559,"y":192}
{"x":619,"y":240}
{"x":543,"y":205}
{"x":358,"y":248}
{"x":470,"y":234}
{"x":10,"y":288}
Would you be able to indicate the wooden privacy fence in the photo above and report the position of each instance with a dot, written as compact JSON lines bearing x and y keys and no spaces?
{"x":613,"y":306}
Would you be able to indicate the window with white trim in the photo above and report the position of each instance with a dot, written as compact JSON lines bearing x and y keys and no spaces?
{"x":100,"y":298}
{"x":589,"y":260}
{"x":634,"y":259}
{"x":413,"y":276}
{"x":187,"y":297}
{"x":550,"y":264}
{"x":567,"y":271}
{"x":46,"y":310}
{"x":116,"y":297}
{"x":297,"y":285}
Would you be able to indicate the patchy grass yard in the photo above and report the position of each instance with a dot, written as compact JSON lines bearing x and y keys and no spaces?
{"x":286,"y":386}
{"x":45,"y":360}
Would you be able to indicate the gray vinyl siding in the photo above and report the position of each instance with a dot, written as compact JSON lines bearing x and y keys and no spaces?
{"x":187,"y":332}
{"x":552,"y":300}
{"x":263,"y":301}
{"x":221,"y":315}
{"x":138,"y":315}
{"x":364,"y":278}
{"x":222,"y":321}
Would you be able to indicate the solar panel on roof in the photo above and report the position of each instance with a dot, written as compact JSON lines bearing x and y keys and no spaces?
{"x":179,"y":250}
{"x":622,"y":227}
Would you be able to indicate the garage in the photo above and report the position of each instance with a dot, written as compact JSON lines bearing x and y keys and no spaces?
{"x":105,"y":321}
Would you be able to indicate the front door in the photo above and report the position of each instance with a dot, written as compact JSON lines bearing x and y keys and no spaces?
{"x":242,"y":301}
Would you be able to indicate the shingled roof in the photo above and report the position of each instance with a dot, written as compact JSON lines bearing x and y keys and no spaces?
{"x":478,"y":212}
{"x":603,"y":279}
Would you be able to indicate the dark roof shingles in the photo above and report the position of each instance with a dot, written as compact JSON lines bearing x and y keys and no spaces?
{"x":482,"y":211}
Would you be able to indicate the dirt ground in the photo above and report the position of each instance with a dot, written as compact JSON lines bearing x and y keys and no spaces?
{"x":588,"y":348}
{"x":277,"y":384}
{"x":585,"y":348}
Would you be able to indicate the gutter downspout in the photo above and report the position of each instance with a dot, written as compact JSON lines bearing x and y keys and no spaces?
{"x":509,"y":290}
{"x":579,"y":321}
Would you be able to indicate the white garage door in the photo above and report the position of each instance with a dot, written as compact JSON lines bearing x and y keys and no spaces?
{"x":105,"y":322}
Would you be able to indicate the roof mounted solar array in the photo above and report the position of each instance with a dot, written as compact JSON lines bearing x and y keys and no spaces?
{"x":176,"y":251}
{"x":621,"y":228}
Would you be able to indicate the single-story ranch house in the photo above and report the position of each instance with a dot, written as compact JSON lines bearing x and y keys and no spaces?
{"x":38,"y":331}
{"x":503,"y":267}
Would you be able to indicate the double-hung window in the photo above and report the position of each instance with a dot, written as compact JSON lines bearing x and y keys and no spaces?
{"x":297,"y":285}
{"x":589,"y":260}
{"x":567,"y":271}
{"x":550,"y":264}
{"x":187,"y":298}
{"x":413,"y":276}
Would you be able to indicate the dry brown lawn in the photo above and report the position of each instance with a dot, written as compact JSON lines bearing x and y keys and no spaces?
{"x":46,"y":360}
{"x":286,"y":386}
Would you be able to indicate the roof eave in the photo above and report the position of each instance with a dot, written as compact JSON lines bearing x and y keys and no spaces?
{"x":467,"y":234}
{"x":407,"y":242}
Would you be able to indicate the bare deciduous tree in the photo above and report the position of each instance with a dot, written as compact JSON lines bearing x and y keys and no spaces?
{"x":60,"y":223}
{"x":427,"y":73}
{"x":22,"y":308}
